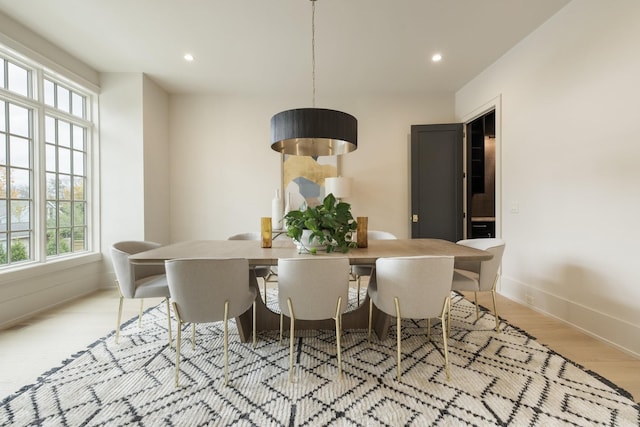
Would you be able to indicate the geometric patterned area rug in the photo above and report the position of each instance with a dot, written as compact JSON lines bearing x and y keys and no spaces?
{"x":496,"y":379}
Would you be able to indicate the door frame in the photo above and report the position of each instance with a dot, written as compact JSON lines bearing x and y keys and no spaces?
{"x":493,"y":104}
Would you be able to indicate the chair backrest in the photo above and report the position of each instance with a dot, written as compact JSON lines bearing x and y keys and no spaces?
{"x":420,"y":283}
{"x":314,"y":285}
{"x":246,"y":236}
{"x":126,"y":273}
{"x":200,"y":287}
{"x":487,"y":270}
{"x":380,"y":235}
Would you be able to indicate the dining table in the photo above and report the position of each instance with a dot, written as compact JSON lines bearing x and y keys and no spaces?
{"x":252,"y":250}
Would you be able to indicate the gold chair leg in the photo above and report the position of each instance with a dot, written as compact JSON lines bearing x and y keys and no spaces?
{"x":281,"y":326}
{"x":178,"y":353}
{"x":193,"y":336}
{"x":178,"y":343}
{"x":226,"y":343}
{"x":140,"y":314}
{"x":445,"y":310}
{"x":449,"y":319}
{"x":169,"y":322}
{"x":119,"y":319}
{"x":370,"y":319}
{"x":291,"y":338}
{"x":475,"y":298}
{"x":265,"y":288}
{"x":398,"y":334}
{"x":358,"y":282}
{"x":254,"y":324}
{"x":495,"y":310}
{"x":338,"y":334}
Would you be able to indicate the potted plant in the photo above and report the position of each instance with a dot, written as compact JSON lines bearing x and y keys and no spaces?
{"x":329,"y":224}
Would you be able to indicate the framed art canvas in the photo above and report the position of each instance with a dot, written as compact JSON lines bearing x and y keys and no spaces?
{"x":303,"y":178}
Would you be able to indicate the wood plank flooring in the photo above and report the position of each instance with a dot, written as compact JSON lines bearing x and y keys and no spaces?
{"x":34,"y":346}
{"x":616,"y":366}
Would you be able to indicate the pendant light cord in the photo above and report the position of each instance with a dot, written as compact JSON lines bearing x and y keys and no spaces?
{"x":313,"y":51}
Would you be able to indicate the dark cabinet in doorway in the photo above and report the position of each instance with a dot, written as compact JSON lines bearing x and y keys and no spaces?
{"x":481,"y":228}
{"x":481,"y":166}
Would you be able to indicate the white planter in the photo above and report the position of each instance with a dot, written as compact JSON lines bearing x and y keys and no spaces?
{"x":306,"y":244}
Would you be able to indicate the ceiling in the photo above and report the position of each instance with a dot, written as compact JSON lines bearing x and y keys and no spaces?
{"x":264,"y":46}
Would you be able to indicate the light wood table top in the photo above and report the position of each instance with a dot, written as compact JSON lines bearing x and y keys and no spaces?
{"x":284,"y":248}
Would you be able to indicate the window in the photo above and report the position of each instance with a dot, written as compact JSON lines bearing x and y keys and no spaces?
{"x":45,"y":131}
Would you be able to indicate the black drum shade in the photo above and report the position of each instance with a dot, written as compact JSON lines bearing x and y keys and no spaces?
{"x":314,"y":132}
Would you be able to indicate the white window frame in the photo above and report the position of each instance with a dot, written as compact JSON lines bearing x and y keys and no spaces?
{"x":40,"y":264}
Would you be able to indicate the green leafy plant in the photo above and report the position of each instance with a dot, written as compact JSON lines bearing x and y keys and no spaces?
{"x":18,"y":252}
{"x":330,"y":224}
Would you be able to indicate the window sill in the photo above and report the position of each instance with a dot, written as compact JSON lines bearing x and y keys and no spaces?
{"x":32,"y":270}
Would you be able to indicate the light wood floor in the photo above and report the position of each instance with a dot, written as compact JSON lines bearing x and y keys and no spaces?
{"x":618,"y":367}
{"x":32,"y":347}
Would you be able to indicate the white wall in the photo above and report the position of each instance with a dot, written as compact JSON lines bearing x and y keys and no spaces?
{"x":122,"y":158}
{"x":156,"y":161}
{"x":380,"y":167}
{"x":134,"y":162}
{"x":30,"y":44}
{"x":570,"y":104}
{"x":224,"y":173}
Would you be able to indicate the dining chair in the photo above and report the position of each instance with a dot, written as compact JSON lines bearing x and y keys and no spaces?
{"x":138,"y":281}
{"x":480,"y":276}
{"x":313,"y":288}
{"x":365,"y":270}
{"x":264,"y":272}
{"x":413,"y":288}
{"x":206,"y":290}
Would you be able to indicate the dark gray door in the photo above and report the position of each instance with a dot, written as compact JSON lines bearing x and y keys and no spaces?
{"x":436,"y":181}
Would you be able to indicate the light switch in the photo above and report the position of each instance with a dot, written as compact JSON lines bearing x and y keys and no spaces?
{"x":515,"y":208}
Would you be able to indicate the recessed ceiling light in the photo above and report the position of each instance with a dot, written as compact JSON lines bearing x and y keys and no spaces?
{"x":436,"y":57}
{"x":188,"y":57}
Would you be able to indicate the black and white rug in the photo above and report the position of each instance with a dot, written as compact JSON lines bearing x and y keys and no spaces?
{"x":496,"y":379}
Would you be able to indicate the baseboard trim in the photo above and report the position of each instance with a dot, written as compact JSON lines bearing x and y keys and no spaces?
{"x":22,"y":299}
{"x":601,"y":326}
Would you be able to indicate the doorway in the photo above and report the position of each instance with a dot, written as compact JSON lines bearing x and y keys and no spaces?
{"x":443,"y":204}
{"x":481,"y":177}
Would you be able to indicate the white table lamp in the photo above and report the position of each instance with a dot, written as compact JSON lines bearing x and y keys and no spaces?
{"x":340,"y":186}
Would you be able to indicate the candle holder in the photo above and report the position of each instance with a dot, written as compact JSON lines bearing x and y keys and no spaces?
{"x":361,"y":231}
{"x":266,"y":231}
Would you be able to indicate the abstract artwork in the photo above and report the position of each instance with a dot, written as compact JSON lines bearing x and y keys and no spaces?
{"x":303,"y":178}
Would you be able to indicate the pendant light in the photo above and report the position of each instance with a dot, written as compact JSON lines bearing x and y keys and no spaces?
{"x":314,"y":131}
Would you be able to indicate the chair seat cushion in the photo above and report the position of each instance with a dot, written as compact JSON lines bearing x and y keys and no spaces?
{"x":464,"y":280}
{"x":152,"y":286}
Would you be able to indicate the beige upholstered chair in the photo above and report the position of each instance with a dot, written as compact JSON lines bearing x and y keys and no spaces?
{"x":205,"y":290}
{"x":313,"y":288}
{"x":365,"y":270}
{"x":480,"y":276}
{"x":265,"y":272}
{"x":413,"y":288}
{"x":138,"y":281}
